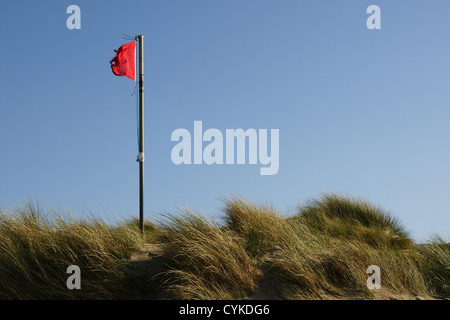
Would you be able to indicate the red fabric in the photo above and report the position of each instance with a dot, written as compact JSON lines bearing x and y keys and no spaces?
{"x":124,"y":63}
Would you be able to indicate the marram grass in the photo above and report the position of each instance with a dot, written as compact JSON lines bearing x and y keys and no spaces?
{"x":321,"y":251}
{"x":36,"y":247}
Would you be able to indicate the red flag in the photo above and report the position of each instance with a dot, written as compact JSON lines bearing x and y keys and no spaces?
{"x":124,"y":63}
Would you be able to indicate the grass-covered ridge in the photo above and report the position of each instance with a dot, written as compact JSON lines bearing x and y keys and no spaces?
{"x":36,"y":247}
{"x":321,"y":251}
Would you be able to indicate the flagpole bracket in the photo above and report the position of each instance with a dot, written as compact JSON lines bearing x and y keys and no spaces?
{"x":140,"y":157}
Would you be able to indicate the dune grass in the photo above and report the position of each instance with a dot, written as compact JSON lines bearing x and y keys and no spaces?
{"x":325,"y":248}
{"x":319,"y":251}
{"x":206,"y":262}
{"x":437,"y":265}
{"x":37,"y":246}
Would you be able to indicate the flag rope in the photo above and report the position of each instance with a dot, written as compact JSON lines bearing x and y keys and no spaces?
{"x":137,"y":113}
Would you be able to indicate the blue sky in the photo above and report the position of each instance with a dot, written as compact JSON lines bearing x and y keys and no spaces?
{"x":360,"y":112}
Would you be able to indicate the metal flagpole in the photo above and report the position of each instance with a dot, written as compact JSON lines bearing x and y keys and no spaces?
{"x":140,"y":157}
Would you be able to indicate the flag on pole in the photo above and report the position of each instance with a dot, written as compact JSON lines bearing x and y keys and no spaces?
{"x":124,"y":63}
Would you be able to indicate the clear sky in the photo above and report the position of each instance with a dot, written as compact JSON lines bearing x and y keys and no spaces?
{"x":360,"y":112}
